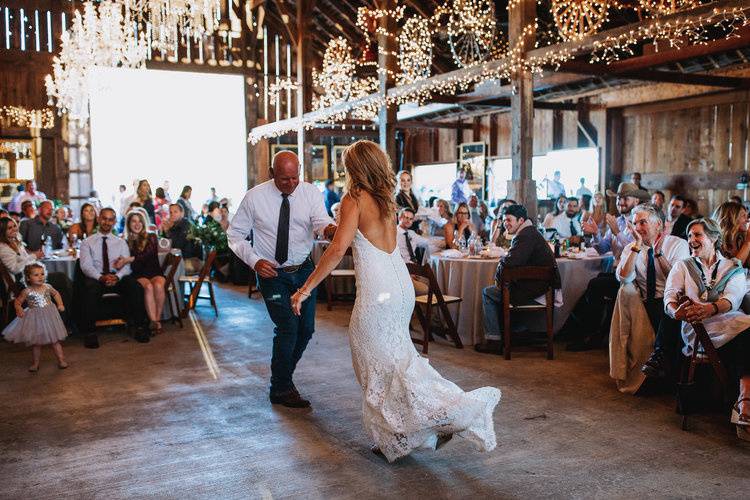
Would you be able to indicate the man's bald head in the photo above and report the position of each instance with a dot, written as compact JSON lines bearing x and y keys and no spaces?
{"x":285,"y":171}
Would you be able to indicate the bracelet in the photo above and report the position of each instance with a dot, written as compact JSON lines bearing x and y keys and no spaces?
{"x":716,"y":308}
{"x":657,"y":255}
{"x":302,"y":292}
{"x":634,"y":249}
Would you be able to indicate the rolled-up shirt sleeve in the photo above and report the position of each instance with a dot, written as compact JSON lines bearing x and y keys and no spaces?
{"x":630,"y":277}
{"x":241,"y":227}
{"x":319,"y":218}
{"x":675,"y":285}
{"x":124,"y":251}
{"x":735,"y":290}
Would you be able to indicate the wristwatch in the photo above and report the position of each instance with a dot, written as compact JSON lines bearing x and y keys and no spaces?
{"x":657,"y":255}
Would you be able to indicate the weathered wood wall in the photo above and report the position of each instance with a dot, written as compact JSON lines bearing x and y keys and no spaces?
{"x":697,"y":147}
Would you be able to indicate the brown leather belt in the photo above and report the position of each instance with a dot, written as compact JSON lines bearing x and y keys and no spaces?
{"x":293,"y":269}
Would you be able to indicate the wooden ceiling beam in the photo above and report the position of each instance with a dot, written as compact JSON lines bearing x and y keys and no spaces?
{"x":283,"y":9}
{"x":419,"y":124}
{"x":708,"y":80}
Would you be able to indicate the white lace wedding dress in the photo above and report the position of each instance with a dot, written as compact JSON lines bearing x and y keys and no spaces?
{"x":407,"y":404}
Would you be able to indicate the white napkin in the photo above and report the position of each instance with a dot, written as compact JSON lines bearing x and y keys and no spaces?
{"x":451,"y":253}
{"x":591,"y":252}
{"x":494,"y":253}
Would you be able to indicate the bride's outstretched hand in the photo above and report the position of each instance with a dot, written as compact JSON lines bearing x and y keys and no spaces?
{"x":297,"y":300}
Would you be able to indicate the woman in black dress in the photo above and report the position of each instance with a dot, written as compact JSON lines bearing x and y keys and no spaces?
{"x":144,"y":262}
{"x":405,"y":197}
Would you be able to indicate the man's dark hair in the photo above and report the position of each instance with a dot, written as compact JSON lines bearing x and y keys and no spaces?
{"x":517,"y":211}
{"x":677,"y":197}
{"x":329,"y":182}
{"x":26,"y":203}
{"x":406,"y":209}
{"x":178,"y":206}
{"x":572,"y":198}
{"x":431,"y":201}
{"x":108,"y":209}
{"x":213,"y":205}
{"x":660,"y":192}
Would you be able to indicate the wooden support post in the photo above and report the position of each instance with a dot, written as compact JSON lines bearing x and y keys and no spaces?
{"x":613,"y":163}
{"x":522,"y":187}
{"x":304,"y":82}
{"x":493,"y":135}
{"x":387,"y":66}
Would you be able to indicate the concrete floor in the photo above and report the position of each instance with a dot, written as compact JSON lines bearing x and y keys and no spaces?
{"x":133,"y":420}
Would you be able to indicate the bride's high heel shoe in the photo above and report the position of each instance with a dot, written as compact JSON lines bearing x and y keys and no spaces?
{"x":738,"y":418}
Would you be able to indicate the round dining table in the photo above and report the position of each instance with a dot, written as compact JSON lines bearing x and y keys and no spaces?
{"x":466,"y":277}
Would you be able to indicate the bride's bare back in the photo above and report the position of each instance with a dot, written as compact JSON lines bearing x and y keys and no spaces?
{"x":381,"y":233}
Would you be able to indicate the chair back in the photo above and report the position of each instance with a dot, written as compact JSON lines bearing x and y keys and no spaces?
{"x":171,"y":262}
{"x":544,"y":274}
{"x":425,"y":271}
{"x":10,"y":285}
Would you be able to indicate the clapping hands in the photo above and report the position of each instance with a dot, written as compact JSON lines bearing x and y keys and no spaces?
{"x":589,"y":226}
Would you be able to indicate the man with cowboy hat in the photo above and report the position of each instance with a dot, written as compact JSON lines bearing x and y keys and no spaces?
{"x":588,"y":310}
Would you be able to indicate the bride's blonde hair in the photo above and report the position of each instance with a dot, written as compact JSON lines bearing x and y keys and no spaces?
{"x":369,"y":169}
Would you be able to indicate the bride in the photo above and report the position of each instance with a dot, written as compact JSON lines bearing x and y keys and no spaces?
{"x":407,"y":404}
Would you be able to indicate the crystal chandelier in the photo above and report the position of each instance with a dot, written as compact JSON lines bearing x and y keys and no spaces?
{"x":103,"y":36}
{"x":171,"y":20}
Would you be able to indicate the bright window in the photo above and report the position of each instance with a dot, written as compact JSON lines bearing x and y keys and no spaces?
{"x":187,"y":128}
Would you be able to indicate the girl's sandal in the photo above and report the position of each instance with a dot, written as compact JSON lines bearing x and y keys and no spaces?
{"x":34,"y":369}
{"x":62,"y":365}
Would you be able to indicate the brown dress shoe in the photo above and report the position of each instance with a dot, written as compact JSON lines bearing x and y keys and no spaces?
{"x":489,"y":347}
{"x":290,"y":399}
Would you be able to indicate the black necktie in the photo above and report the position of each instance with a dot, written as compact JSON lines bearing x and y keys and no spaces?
{"x":650,"y":276}
{"x":410,"y":248}
{"x":105,"y":256}
{"x":282,"y":235}
{"x":573,"y":231}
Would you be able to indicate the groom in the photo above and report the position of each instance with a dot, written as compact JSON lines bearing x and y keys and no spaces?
{"x":282,"y":214}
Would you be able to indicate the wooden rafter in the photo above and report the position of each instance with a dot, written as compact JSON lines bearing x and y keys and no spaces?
{"x":288,"y":23}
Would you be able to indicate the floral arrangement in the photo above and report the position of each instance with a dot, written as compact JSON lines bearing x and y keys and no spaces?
{"x":210,"y":235}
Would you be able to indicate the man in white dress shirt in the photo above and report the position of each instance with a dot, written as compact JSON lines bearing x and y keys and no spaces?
{"x":105,"y":266}
{"x":411,"y":246}
{"x":282,"y":214}
{"x":568,"y":223}
{"x":647,"y":262}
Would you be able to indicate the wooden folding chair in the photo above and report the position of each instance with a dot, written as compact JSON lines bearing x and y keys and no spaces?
{"x":169,"y":269}
{"x":10,"y":291}
{"x":434,"y":297}
{"x":511,"y":275}
{"x":195,"y":283}
{"x":331,"y":295}
{"x":687,"y":378}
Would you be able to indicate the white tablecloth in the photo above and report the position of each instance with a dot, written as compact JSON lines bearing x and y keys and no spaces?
{"x":466,"y":278}
{"x":67,"y":264}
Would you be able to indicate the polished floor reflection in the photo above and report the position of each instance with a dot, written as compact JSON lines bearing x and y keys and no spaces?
{"x":187,"y":416}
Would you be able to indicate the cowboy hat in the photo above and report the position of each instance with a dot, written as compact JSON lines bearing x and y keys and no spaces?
{"x":630,"y":189}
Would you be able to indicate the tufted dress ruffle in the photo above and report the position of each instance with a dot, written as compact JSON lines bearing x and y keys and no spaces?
{"x":407,"y":404}
{"x":41,"y":323}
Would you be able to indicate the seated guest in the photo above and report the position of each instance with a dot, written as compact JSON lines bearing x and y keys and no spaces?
{"x":588,"y":311}
{"x":104,"y":264}
{"x":224,"y":217}
{"x":459,"y":227}
{"x":529,"y":248}
{"x":437,"y":224}
{"x":736,"y":199}
{"x":144,"y":263}
{"x":143,"y":196}
{"x":405,"y":197}
{"x":331,"y":197}
{"x":86,"y":226}
{"x":35,"y":231}
{"x":735,"y":237}
{"x":131,"y":206}
{"x":596,"y":215}
{"x":677,"y":221}
{"x":28,"y":210}
{"x":411,"y":246}
{"x":30,"y":193}
{"x":177,"y":229}
{"x":16,"y":217}
{"x":714,"y":287}
{"x":476,"y":217}
{"x":559,"y":208}
{"x":336,"y":211}
{"x":657,"y":200}
{"x":645,"y":263}
{"x":15,"y":257}
{"x":568,"y":223}
{"x":498,"y":234}
{"x":62,"y":218}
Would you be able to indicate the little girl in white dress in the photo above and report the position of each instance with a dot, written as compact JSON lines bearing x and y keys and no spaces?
{"x":40,"y":324}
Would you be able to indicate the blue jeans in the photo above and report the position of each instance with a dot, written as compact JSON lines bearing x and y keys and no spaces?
{"x":492,"y":310}
{"x":292,"y":333}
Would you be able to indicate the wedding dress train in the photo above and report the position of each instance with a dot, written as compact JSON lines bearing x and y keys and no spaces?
{"x":406,"y":404}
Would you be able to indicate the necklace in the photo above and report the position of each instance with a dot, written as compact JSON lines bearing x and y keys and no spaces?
{"x":708,"y":285}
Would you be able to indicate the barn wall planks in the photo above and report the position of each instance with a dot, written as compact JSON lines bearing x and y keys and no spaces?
{"x":698,"y":151}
